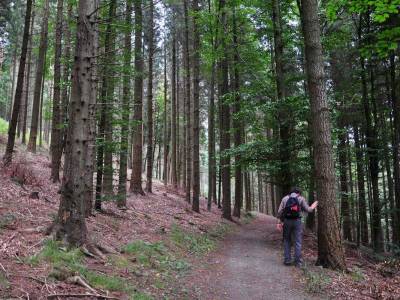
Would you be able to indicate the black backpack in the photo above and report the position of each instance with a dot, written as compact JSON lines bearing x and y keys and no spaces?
{"x":292,"y":208}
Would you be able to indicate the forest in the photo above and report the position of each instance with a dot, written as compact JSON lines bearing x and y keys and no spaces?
{"x":227,"y":103}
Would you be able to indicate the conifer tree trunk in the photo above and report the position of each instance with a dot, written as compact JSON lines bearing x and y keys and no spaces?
{"x":330,"y":249}
{"x":7,"y":158}
{"x":136,"y":180}
{"x":55,"y":147}
{"x":188,"y":106}
{"x":78,"y":171}
{"x":39,"y":79}
{"x":123,"y":158}
{"x":28,"y":82}
{"x":225,"y":138}
{"x":362,"y":206}
{"x":196,"y":108}
{"x":237,"y":122}
{"x":150,"y":145}
{"x":165,"y":154}
{"x":396,"y":150}
{"x":285,"y":177}
{"x":174,"y":178}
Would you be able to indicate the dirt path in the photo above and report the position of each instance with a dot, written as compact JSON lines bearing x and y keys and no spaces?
{"x":249,"y":266}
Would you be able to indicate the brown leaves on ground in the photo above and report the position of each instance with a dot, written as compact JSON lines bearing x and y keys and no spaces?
{"x":23,"y":221}
{"x":366,"y":278}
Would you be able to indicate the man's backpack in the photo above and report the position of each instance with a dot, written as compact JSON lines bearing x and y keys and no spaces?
{"x":292,"y":208}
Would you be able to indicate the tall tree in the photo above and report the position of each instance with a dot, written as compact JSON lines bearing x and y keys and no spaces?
{"x":20,"y":84}
{"x":225,"y":138}
{"x":136,"y":180}
{"x":174,"y":178}
{"x":196,"y":107}
{"x":56,"y":146}
{"x":330,"y":249}
{"x":70,"y":224}
{"x":188,"y":105}
{"x":39,"y":79}
{"x":150,"y":125}
{"x":123,"y":157}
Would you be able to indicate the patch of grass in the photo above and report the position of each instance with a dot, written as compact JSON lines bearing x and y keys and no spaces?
{"x":4,"y":283}
{"x":58,"y":256}
{"x":198,"y":244}
{"x":141,"y":296}
{"x":247,"y":217}
{"x":146,"y":253}
{"x":219,"y":231}
{"x":316,"y":282}
{"x":3,"y":126}
{"x":69,"y":262}
{"x":357,"y":274}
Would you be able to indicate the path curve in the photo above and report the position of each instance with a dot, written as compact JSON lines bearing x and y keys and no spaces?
{"x":249,"y":266}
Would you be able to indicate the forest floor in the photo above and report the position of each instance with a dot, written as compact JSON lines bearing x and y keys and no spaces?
{"x":161,"y":250}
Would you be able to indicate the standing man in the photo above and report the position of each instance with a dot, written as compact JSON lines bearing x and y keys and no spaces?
{"x":290,"y":214}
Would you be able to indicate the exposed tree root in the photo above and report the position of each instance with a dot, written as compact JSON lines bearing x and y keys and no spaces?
{"x":98,"y":296}
{"x":79,"y":281}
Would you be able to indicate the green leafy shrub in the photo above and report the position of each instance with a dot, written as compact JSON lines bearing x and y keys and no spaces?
{"x":3,"y":126}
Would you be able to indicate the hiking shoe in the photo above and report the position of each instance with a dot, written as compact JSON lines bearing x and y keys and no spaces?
{"x":287,"y":263}
{"x":299,"y":264}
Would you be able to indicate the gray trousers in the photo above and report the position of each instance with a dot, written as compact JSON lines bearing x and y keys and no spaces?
{"x":292,"y":229}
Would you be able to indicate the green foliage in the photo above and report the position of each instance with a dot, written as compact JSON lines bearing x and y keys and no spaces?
{"x":316,"y":282}
{"x":197,"y":244}
{"x":357,"y":274}
{"x":3,"y":126}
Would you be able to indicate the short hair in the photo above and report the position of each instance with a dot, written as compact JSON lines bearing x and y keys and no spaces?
{"x":296,"y":190}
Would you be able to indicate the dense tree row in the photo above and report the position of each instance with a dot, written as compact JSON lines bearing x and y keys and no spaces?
{"x":237,"y":101}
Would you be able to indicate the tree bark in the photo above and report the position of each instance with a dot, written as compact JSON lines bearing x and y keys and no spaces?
{"x":196,"y":107}
{"x":237,"y":122}
{"x":165,"y":158}
{"x":136,"y":180}
{"x":150,"y":145}
{"x":123,"y":158}
{"x":7,"y":158}
{"x":39,"y":79}
{"x":56,"y":146}
{"x":188,"y":106}
{"x":225,"y":138}
{"x":173,"y":114}
{"x":78,"y":171}
{"x":330,"y":249}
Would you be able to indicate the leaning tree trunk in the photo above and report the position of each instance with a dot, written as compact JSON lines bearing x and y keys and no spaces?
{"x":56,"y":145}
{"x":70,"y":223}
{"x":137,"y":157}
{"x":123,"y":158}
{"x":39,"y":79}
{"x":20,"y":84}
{"x":150,"y":139}
{"x":196,"y":108}
{"x":330,"y":249}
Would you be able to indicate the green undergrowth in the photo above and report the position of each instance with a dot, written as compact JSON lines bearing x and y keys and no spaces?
{"x":66,"y":263}
{"x":316,"y":281}
{"x":247,"y":217}
{"x":3,"y":126}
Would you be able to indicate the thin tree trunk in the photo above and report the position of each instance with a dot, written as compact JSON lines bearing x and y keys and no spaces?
{"x":225,"y":138}
{"x":136,"y":181}
{"x":165,"y":164}
{"x":173,"y":114}
{"x":237,"y":122}
{"x":123,"y":158}
{"x":150,"y":146}
{"x":20,"y":84}
{"x":196,"y":107}
{"x":56,"y":137}
{"x":39,"y":79}
{"x":330,"y":249}
{"x":188,"y":106}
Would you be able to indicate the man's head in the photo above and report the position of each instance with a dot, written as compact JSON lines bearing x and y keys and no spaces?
{"x":296,"y":190}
